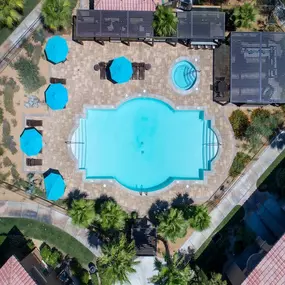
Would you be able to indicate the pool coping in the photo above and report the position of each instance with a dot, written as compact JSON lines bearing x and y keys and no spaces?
{"x":195,"y":60}
{"x":144,"y":94}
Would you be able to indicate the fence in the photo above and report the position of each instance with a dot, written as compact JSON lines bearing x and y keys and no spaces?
{"x":14,"y":50}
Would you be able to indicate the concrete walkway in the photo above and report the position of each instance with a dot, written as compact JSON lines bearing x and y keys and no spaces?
{"x":50,"y":216}
{"x":240,"y":191}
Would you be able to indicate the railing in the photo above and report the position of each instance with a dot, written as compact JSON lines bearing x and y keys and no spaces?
{"x":16,"y":47}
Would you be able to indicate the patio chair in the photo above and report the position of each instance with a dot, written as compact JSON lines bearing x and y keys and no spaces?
{"x":34,"y":162}
{"x":57,"y":80}
{"x":141,"y":71}
{"x":135,"y":70}
{"x":147,"y":66}
{"x":34,"y":123}
{"x":102,"y":66}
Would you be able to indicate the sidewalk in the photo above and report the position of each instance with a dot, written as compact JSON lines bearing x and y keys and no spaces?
{"x":238,"y":193}
{"x":47,"y":215}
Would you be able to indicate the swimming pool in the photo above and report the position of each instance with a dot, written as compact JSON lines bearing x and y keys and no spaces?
{"x":183,"y":75}
{"x":144,"y":144}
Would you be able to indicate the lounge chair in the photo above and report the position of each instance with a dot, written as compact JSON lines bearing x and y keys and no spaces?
{"x":102,"y":66}
{"x":141,"y":71}
{"x":135,"y":71}
{"x":34,"y":123}
{"x":57,"y":80}
{"x":34,"y":162}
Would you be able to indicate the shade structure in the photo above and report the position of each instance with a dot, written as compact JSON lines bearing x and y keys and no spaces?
{"x":56,"y":96}
{"x":54,"y":184}
{"x":56,"y":49}
{"x":121,"y":70}
{"x":31,"y":141}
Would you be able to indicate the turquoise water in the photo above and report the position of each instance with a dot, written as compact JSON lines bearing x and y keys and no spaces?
{"x":184,"y":75}
{"x":144,"y":144}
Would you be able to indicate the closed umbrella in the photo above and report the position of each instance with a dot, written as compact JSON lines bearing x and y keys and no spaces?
{"x":56,"y":96}
{"x":31,"y":141}
{"x":56,"y":49}
{"x":121,"y":70}
{"x":54,"y":184}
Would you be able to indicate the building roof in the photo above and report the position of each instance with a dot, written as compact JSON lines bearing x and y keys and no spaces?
{"x":271,"y":268}
{"x":13,"y":273}
{"x":257,"y":67}
{"x":130,"y":5}
{"x":199,"y":24}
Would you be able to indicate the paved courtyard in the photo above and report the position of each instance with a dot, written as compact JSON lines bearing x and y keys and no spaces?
{"x":86,"y":88}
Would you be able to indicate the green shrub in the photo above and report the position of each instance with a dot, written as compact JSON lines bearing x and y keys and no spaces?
{"x":37,"y":54}
{"x":52,"y":257}
{"x":239,"y":121}
{"x":10,"y":88}
{"x":283,"y":107}
{"x":1,"y":151}
{"x":259,"y":113}
{"x":1,"y":116}
{"x":3,"y":80}
{"x":84,"y":278}
{"x":39,"y":36}
{"x":14,"y":123}
{"x":28,"y":74}
{"x":7,"y":139}
{"x":15,"y":173}
{"x":239,"y":163}
{"x":29,"y":47}
{"x":7,"y":162}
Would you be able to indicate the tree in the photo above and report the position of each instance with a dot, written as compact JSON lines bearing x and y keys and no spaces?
{"x":164,"y":22}
{"x":82,"y":212}
{"x":117,"y":261}
{"x":111,"y":216}
{"x":201,"y":219}
{"x":172,"y":224}
{"x":57,"y":14}
{"x":174,"y":271}
{"x":10,"y":12}
{"x":262,"y":128}
{"x":216,"y":279}
{"x":244,"y":15}
{"x":240,"y":122}
{"x":50,"y":256}
{"x":259,"y":113}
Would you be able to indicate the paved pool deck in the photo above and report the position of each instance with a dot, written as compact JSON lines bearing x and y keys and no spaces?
{"x":86,"y":88}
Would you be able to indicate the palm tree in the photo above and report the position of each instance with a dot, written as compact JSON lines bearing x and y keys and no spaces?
{"x":164,"y":22}
{"x":111,"y":216}
{"x":172,"y":224}
{"x":200,"y":219}
{"x":244,"y":15}
{"x":57,"y":14}
{"x":174,"y":271}
{"x":9,"y":12}
{"x":117,"y":261}
{"x":82,"y":212}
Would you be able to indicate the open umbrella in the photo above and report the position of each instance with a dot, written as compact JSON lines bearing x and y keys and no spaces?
{"x":56,"y":49}
{"x":54,"y":184}
{"x":121,"y":70}
{"x":31,"y":141}
{"x":56,"y":96}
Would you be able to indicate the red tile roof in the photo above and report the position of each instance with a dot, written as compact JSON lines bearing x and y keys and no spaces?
{"x":271,"y":269}
{"x":130,"y":5}
{"x":13,"y":273}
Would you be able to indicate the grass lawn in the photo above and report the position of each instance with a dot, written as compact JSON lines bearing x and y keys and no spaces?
{"x":273,"y":179}
{"x":211,"y":256}
{"x":28,"y":7}
{"x":49,"y":234}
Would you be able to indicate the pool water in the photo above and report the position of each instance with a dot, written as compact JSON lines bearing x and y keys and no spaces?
{"x":184,"y":75}
{"x":144,"y":144}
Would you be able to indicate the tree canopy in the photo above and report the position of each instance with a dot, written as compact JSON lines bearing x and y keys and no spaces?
{"x":10,"y":12}
{"x":244,"y":15}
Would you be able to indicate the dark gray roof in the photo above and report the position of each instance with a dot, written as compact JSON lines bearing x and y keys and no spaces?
{"x":257,"y":67}
{"x":197,"y":25}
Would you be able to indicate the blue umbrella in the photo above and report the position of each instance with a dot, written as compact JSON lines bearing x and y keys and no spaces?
{"x":56,"y":49}
{"x":31,"y":141}
{"x":121,"y":70}
{"x":54,"y":184}
{"x":56,"y":96}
